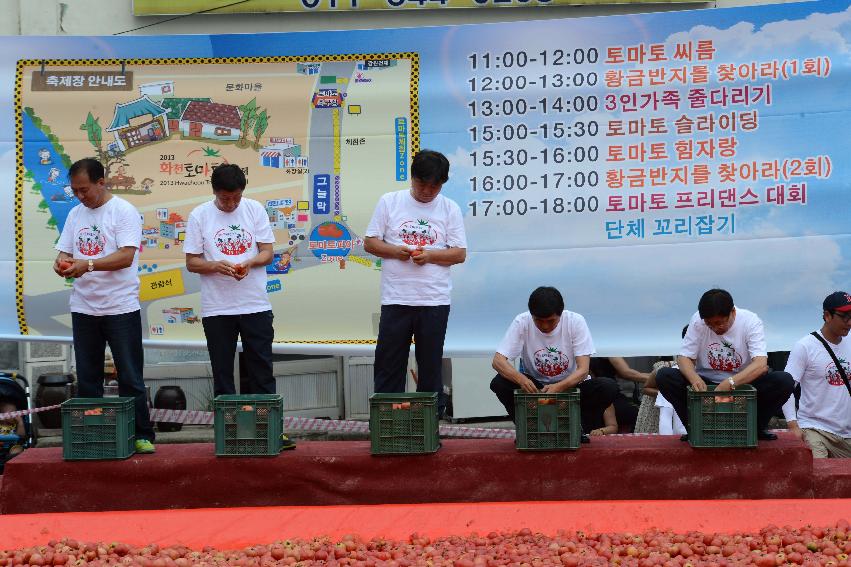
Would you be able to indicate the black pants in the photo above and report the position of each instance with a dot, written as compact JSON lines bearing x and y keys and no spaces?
{"x":595,"y":396}
{"x":427,"y":325}
{"x":123,"y":334}
{"x":772,"y":391}
{"x":257,"y":333}
{"x":626,"y":412}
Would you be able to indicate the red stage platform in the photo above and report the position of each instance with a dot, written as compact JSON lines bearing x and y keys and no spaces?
{"x":344,"y":473}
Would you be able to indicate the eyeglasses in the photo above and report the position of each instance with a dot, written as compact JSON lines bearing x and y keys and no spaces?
{"x":846,"y":317}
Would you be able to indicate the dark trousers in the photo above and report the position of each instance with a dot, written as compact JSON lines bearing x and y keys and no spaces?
{"x":595,"y":396}
{"x":123,"y":334}
{"x":626,"y":412}
{"x":772,"y":391}
{"x":427,"y":325}
{"x":257,"y":333}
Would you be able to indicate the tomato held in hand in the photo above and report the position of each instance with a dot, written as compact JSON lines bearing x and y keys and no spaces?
{"x":240,"y":270}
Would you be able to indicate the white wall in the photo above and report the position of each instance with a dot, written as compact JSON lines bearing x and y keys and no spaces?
{"x":108,"y":17}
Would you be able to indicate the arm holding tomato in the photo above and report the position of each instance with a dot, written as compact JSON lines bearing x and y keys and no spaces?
{"x":262,"y":259}
{"x":377,"y":247}
{"x":71,"y":268}
{"x":583,"y":363}
{"x":445,"y":257}
{"x":196,"y":264}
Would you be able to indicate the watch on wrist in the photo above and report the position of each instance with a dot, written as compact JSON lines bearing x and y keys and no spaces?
{"x":91,"y":267}
{"x":732,"y":382}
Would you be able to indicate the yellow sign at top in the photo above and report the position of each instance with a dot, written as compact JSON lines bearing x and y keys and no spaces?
{"x":182,"y":7}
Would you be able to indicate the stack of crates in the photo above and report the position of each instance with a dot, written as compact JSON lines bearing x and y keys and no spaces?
{"x":403,"y":424}
{"x":725,"y":420}
{"x":547,"y":422}
{"x":248,"y":425}
{"x":98,"y":428}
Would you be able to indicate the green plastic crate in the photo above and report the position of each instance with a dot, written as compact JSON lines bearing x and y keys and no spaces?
{"x":248,"y":425}
{"x":720,"y":423}
{"x":547,"y":422}
{"x":98,"y":428}
{"x":403,"y":424}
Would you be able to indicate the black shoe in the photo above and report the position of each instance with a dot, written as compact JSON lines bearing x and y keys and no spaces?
{"x":584,"y":438}
{"x":684,"y":437}
{"x":766,"y":435}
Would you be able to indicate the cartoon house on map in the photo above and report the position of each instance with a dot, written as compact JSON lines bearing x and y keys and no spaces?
{"x":179,"y":315}
{"x":307,"y":68}
{"x":175,"y":106}
{"x":210,"y":120}
{"x":285,"y":153}
{"x":130,"y":132}
{"x":174,"y":228}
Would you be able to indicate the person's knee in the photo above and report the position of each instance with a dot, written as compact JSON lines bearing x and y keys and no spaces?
{"x":666,"y":376}
{"x":498,"y":384}
{"x":785,"y":382}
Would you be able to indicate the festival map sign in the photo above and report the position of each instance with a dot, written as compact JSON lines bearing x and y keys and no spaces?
{"x":633,"y":162}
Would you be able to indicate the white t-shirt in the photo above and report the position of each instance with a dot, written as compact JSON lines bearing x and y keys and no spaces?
{"x":90,"y":234}
{"x":825,"y":403}
{"x":719,"y":357}
{"x":549,"y":357}
{"x":232,"y":237}
{"x":399,"y":219}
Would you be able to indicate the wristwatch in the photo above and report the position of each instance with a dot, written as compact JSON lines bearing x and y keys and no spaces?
{"x":732,"y":382}
{"x":91,"y":267}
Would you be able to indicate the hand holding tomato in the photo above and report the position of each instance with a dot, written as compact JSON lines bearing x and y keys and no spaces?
{"x":59,"y":266}
{"x":224,"y":268}
{"x":240,"y":271}
{"x":403,"y":253}
{"x":420,"y":256}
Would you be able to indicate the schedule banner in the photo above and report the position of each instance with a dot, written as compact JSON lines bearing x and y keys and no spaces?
{"x":180,"y":7}
{"x":631,"y":161}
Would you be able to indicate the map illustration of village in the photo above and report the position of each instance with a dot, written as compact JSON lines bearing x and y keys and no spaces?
{"x":320,"y":142}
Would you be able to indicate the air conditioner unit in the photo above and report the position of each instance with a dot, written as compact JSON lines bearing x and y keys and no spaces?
{"x":43,"y":352}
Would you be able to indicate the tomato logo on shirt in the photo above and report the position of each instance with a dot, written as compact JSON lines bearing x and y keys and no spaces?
{"x":551,"y":362}
{"x":233,"y":240}
{"x":832,"y":375}
{"x":90,"y":241}
{"x":724,"y":357}
{"x":417,"y":233}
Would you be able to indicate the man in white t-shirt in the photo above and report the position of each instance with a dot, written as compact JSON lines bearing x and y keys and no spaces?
{"x":555,"y":348}
{"x":824,"y":411}
{"x":418,"y":233}
{"x":99,"y":248}
{"x":725,"y":345}
{"x":229,"y":242}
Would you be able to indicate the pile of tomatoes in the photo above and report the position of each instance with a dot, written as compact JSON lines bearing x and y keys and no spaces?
{"x":813,"y":546}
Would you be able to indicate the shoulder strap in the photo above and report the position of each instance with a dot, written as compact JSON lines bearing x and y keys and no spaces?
{"x":835,"y":360}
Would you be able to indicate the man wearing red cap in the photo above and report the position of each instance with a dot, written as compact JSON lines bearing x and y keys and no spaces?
{"x":824,"y":412}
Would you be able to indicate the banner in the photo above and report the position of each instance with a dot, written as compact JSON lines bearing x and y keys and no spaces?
{"x":183,"y":7}
{"x":632,"y":162}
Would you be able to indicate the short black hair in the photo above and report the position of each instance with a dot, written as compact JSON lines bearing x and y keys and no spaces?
{"x":545,"y":302}
{"x":228,"y":177}
{"x":90,"y":166}
{"x":430,"y":166}
{"x":715,"y":303}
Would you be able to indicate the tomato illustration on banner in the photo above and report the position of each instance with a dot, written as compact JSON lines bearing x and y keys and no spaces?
{"x":834,"y":378}
{"x":233,"y":240}
{"x":724,"y":357}
{"x":417,"y":233}
{"x":551,"y":362}
{"x":330,"y":240}
{"x":90,"y":241}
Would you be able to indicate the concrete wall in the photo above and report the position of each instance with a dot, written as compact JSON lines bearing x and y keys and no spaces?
{"x":108,"y":17}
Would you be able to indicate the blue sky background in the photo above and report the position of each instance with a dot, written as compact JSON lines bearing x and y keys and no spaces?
{"x":636,"y":295}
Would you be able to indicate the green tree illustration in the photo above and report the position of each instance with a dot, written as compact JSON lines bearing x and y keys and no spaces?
{"x":260,"y":126}
{"x":43,"y":206}
{"x":246,"y":122}
{"x":94,"y":133}
{"x":51,"y":222}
